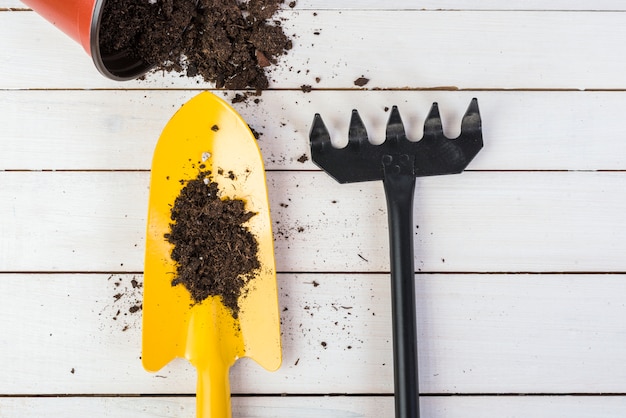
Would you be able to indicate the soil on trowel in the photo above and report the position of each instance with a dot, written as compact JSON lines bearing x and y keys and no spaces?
{"x":215,"y":252}
{"x":226,"y":42}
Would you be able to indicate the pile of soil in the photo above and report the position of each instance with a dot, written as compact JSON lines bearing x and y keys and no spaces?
{"x":227,"y":42}
{"x":216,"y":254}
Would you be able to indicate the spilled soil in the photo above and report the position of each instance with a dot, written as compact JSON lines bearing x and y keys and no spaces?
{"x":227,"y":42}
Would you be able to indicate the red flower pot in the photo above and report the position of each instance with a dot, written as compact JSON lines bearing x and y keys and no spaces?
{"x":80,"y":19}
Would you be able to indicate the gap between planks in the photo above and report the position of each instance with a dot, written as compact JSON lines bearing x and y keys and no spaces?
{"x":315,"y":395}
{"x":328,"y":89}
{"x":347,"y":273}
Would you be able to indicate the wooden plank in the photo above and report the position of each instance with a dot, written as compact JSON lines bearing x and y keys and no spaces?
{"x":475,"y":222}
{"x":482,"y":334}
{"x":313,"y":407}
{"x":466,"y":50}
{"x":82,"y":211}
{"x":11,"y":5}
{"x":117,"y":130}
{"x":609,"y":5}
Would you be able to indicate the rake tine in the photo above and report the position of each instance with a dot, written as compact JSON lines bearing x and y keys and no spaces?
{"x":395,"y":127}
{"x":319,"y":136}
{"x":357,"y":133}
{"x":432,"y":125}
{"x":471,"y":120}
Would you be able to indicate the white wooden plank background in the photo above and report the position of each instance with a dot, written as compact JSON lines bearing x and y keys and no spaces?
{"x":521,"y":283}
{"x":544,"y":130}
{"x":457,"y":49}
{"x":545,"y":334}
{"x":329,"y":407}
{"x":475,"y":222}
{"x":584,"y":5}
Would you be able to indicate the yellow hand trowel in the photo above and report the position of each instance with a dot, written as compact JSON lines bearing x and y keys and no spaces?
{"x":206,"y":130}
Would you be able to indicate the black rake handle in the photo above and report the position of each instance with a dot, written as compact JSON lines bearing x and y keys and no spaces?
{"x":399,"y":190}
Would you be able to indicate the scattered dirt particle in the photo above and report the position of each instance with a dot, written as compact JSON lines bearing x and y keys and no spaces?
{"x":257,"y":134}
{"x":303,"y":158}
{"x":315,"y":284}
{"x":215,"y":128}
{"x":297,"y":361}
{"x":361,"y":81}
{"x":318,"y":79}
{"x":239,"y":98}
{"x":324,"y":344}
{"x":306,"y":88}
{"x":128,"y":293}
{"x":292,"y":4}
{"x":73,"y":370}
{"x":262,"y":60}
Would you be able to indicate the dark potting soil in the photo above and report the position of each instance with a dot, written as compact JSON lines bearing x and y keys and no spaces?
{"x":227,"y":42}
{"x":215,"y":253}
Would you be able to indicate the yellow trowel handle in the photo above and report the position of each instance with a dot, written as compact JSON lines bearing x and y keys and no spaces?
{"x":213,"y":392}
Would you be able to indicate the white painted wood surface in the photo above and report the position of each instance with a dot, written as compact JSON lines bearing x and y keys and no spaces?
{"x":456,"y":49}
{"x":328,"y":407}
{"x":478,"y":334}
{"x":544,"y":130}
{"x":475,"y":222}
{"x":521,"y":285}
{"x":558,"y":5}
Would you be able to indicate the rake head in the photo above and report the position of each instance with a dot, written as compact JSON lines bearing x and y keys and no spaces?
{"x":434,"y":154}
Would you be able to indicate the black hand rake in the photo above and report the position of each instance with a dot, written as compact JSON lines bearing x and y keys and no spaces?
{"x":397,"y":162}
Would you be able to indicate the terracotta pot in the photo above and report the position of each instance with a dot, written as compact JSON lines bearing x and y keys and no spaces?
{"x":80,"y":19}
